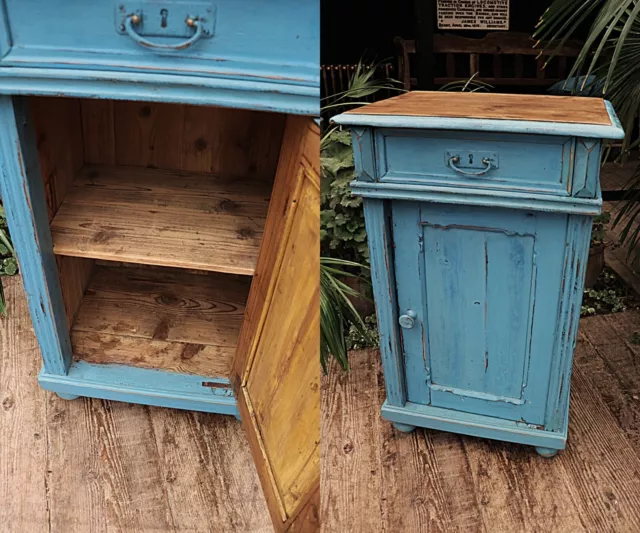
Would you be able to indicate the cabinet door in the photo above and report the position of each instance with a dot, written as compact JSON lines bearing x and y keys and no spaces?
{"x":276,"y":373}
{"x":483,"y":284}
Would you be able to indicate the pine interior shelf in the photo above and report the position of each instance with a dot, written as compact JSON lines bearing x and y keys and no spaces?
{"x":163,"y":217}
{"x":161,"y":318}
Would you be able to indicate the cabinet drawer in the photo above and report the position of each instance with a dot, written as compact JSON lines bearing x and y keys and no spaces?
{"x":247,"y":42}
{"x":524,"y":163}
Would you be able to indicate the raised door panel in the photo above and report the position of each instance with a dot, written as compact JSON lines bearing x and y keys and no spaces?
{"x":485,"y":324}
{"x":276,"y":372}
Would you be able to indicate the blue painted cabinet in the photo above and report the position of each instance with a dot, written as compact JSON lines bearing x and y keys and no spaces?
{"x":158,"y":164}
{"x":478,"y":211}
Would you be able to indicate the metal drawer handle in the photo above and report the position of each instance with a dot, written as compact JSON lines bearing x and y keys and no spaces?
{"x":455,"y":159}
{"x":131,"y":20}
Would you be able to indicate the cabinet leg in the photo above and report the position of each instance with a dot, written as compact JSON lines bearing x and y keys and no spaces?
{"x":546,"y":452}
{"x":405,"y":428}
{"x":66,"y":396}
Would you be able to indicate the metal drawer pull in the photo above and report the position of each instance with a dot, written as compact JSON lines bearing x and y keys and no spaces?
{"x":134,"y":19}
{"x":456,"y":159}
{"x":408,"y":321}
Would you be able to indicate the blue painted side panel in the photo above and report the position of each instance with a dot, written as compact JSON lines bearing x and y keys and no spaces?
{"x":141,"y":385}
{"x":377,"y":219}
{"x":524,"y":162}
{"x":23,"y":196}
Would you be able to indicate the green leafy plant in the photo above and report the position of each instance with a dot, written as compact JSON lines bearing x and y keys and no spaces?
{"x":342,"y":227}
{"x":472,"y":85}
{"x":600,"y":227}
{"x":337,"y":312}
{"x":609,"y":295}
{"x":608,"y":65}
{"x":8,"y":262}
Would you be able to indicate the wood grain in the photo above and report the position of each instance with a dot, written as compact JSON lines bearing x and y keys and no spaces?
{"x":571,"y":109}
{"x":281,"y":323}
{"x":182,"y":137}
{"x":430,"y":477}
{"x":23,"y":428}
{"x":58,"y":127}
{"x":165,"y":218}
{"x":148,"y":134}
{"x":611,"y":362}
{"x":98,"y":132}
{"x":164,"y":319}
{"x":350,"y":469}
{"x":92,"y":465}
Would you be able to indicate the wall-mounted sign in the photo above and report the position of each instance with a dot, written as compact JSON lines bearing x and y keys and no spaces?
{"x":473,"y":14}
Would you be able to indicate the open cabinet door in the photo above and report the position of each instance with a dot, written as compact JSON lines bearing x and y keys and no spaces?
{"x":276,"y":373}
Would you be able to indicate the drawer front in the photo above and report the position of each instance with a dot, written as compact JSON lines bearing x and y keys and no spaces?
{"x":523,"y":163}
{"x":275,"y":42}
{"x":478,"y":304}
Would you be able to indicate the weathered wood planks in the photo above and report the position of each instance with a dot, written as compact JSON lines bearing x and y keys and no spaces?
{"x":161,"y":318}
{"x":93,"y":465}
{"x":434,"y":481}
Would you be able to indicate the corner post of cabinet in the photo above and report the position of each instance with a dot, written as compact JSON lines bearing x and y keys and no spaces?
{"x":578,"y":236}
{"x":23,"y":194}
{"x":378,"y":224}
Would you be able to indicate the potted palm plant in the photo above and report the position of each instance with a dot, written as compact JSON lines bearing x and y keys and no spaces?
{"x":608,"y":65}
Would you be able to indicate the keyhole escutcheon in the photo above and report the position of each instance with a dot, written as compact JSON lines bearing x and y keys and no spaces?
{"x":164,"y":13}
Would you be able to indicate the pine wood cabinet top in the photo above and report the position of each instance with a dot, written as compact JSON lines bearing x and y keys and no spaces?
{"x":562,"y":115}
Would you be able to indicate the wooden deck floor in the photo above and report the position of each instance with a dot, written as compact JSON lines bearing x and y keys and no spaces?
{"x":375,"y":479}
{"x":97,"y":466}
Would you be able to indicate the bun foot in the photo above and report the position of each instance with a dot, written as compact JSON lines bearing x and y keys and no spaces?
{"x":66,"y":396}
{"x":405,"y":428}
{"x":546,"y":452}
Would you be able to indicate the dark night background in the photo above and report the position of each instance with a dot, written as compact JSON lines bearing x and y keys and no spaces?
{"x":353,"y":28}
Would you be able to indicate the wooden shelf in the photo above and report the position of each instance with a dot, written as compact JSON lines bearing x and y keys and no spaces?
{"x":160,"y":217}
{"x":161,"y":318}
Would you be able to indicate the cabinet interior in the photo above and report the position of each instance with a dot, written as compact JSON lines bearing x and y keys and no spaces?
{"x":156,"y":214}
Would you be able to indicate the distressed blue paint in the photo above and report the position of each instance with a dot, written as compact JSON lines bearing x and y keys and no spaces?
{"x":262,"y":56}
{"x":409,"y":264}
{"x":480,"y":197}
{"x":526,"y":163}
{"x":487,"y":427}
{"x":277,"y":40}
{"x":377,"y":220}
{"x":587,"y":168}
{"x":22,"y":191}
{"x":141,"y":385}
{"x":223,"y":92}
{"x":564,"y":129}
{"x":363,"y":153}
{"x":487,"y":271}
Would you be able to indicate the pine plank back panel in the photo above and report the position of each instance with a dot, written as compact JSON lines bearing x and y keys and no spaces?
{"x":182,"y":137}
